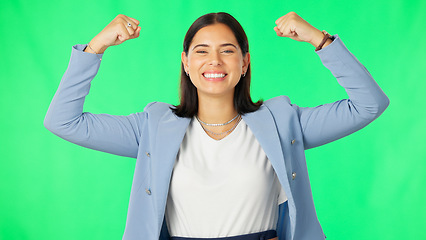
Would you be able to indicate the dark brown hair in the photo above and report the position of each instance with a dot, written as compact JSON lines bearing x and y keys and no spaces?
{"x":188,"y":106}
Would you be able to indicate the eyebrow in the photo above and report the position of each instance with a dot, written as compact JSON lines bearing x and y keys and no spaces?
{"x":206,"y":45}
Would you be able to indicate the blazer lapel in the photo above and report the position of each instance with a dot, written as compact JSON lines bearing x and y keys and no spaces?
{"x":262,"y":124}
{"x":171,"y":131}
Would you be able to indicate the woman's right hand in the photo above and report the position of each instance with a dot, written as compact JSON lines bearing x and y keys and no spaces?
{"x":119,"y":30}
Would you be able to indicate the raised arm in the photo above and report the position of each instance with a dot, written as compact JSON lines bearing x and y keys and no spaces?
{"x":328,"y":122}
{"x":65,"y":118}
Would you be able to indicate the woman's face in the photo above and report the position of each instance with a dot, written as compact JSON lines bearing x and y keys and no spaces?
{"x":215,"y":62}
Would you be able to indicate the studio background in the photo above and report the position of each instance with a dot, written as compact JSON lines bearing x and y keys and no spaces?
{"x":369,"y":185}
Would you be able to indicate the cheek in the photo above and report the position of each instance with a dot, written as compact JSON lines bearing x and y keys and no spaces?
{"x":236,"y":63}
{"x":194,"y":62}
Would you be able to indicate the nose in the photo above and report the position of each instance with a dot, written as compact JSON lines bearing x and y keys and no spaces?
{"x":215,"y":59}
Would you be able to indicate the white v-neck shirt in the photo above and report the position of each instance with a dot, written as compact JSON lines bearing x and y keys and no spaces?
{"x":222,"y":188}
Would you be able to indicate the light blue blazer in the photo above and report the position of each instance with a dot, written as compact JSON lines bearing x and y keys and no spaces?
{"x":153,"y":136}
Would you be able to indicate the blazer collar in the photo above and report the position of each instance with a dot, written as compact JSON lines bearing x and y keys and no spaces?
{"x":171,"y":131}
{"x":262,"y":124}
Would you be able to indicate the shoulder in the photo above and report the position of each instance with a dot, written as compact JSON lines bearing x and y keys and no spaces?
{"x":278,"y":100}
{"x":159,"y":110}
{"x":153,"y":107}
{"x":280,"y":104}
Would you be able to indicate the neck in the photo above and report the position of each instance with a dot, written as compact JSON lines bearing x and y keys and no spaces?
{"x":216,"y":109}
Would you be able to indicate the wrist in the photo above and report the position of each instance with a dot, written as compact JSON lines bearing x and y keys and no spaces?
{"x":317,"y":38}
{"x":96,"y":47}
{"x":323,"y":41}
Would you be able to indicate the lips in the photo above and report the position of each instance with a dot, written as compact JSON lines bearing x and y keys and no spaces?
{"x":214,"y":76}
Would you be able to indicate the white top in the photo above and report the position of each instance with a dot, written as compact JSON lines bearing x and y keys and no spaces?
{"x":222,"y":188}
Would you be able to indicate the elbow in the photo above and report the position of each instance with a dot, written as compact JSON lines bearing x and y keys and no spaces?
{"x":53,"y":125}
{"x":69,"y":130}
{"x":385,"y":104}
{"x":381,"y":104}
{"x":369,"y":112}
{"x":49,"y":124}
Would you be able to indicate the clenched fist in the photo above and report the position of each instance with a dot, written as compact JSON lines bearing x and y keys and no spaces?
{"x":293,"y":26}
{"x":119,"y":30}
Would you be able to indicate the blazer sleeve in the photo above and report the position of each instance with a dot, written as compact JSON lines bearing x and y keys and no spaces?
{"x":366,"y":101}
{"x":65,"y":117}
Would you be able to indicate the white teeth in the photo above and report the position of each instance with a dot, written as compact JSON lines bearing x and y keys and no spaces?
{"x":214,"y":75}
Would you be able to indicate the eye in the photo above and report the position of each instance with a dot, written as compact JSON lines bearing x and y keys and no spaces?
{"x":201,"y":51}
{"x":229,"y":51}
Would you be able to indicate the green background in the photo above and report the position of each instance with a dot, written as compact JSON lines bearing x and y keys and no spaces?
{"x":369,"y":185}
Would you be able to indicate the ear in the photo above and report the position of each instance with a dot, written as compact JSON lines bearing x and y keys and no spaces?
{"x":185,"y":61}
{"x":246,"y":62}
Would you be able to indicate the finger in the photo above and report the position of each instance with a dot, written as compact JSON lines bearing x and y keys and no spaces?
{"x":283,"y":18}
{"x":130,"y":22}
{"x":278,"y":23}
{"x":288,"y":29}
{"x":283,"y":28}
{"x":136,"y":34}
{"x":125,"y":20}
{"x":130,"y":30}
{"x":282,"y":22}
{"x":134,"y":20}
{"x":279,"y":33}
{"x":123,"y":34}
{"x":279,"y":20}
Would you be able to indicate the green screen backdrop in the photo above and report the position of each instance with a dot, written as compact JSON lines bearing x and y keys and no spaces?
{"x":369,"y":185}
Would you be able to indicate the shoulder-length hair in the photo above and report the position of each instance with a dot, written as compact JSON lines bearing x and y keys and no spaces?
{"x":188,"y":106}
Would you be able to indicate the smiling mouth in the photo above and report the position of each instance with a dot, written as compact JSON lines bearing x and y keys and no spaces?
{"x":214,"y":75}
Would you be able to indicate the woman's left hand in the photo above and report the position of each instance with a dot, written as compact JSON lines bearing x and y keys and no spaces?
{"x":293,"y":26}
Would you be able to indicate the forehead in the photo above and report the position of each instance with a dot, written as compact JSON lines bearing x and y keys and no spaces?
{"x":215,"y":34}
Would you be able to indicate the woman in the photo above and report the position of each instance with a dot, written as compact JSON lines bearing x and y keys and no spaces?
{"x":217,"y":165}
